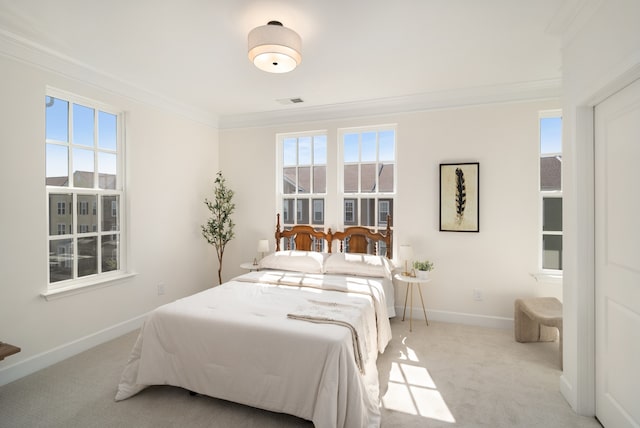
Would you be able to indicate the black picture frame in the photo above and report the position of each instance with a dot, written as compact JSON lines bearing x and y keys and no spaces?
{"x":460,"y":197}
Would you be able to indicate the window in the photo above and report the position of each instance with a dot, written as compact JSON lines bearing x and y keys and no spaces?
{"x":551,"y":191}
{"x":303,"y":178}
{"x":368,"y":175}
{"x":83,"y":151}
{"x":364,"y":192}
{"x":368,"y":167}
{"x":318,"y":211}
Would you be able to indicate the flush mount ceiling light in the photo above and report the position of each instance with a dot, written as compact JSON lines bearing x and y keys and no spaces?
{"x":275,"y":48}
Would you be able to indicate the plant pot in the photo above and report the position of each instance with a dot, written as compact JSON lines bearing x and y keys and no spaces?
{"x":422,"y":274}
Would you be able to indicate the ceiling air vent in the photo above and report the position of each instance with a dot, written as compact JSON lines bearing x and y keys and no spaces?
{"x":296,"y":100}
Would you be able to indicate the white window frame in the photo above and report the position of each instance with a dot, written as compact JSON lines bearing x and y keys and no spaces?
{"x":288,"y":217}
{"x":76,"y":284}
{"x":546,"y":275}
{"x":359,"y":195}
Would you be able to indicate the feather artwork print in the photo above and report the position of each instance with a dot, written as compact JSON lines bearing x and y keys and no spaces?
{"x":461,"y":195}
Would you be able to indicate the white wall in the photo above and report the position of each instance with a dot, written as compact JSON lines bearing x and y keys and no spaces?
{"x":498,"y":260}
{"x":171,"y":165}
{"x":599,"y":57}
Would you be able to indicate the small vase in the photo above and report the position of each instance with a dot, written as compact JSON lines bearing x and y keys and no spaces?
{"x":422,"y":274}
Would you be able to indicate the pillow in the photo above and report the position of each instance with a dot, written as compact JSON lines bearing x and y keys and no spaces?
{"x":358,"y":264}
{"x":293,"y":260}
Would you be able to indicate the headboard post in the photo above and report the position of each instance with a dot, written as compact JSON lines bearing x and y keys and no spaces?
{"x":389,"y":239}
{"x":278,"y":232}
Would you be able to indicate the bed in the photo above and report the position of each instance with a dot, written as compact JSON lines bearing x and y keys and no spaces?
{"x":300,"y":336}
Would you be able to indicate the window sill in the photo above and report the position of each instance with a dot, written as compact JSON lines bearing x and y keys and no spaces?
{"x":84,"y":286}
{"x":548,"y":278}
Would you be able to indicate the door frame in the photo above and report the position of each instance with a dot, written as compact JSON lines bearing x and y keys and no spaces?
{"x":584,"y":297}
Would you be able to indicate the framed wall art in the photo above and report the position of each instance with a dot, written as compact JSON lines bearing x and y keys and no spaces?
{"x":460,"y":197}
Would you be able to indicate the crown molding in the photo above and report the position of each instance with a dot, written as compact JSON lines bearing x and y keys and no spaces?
{"x":514,"y":92}
{"x":26,"y":51}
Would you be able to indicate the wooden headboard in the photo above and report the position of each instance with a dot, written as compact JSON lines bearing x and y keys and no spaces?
{"x":355,"y":239}
{"x":305,"y":238}
{"x":360,"y":238}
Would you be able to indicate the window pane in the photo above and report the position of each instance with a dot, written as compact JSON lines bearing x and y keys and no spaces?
{"x":368,"y":213}
{"x":552,"y":214}
{"x":110,"y":253}
{"x":387,"y":146}
{"x":368,"y":178}
{"x":385,"y":178}
{"x":351,"y":148}
{"x":87,"y":218}
{"x":304,"y":179}
{"x":83,"y":168}
{"x":302,"y":211}
{"x":83,"y":125}
{"x":550,"y":135}
{"x":107,"y":131}
{"x":107,"y":170}
{"x":87,"y":256}
{"x":60,"y":214}
{"x":288,"y":211}
{"x":110,"y":214}
{"x":350,"y":178}
{"x":318,"y":211}
{"x":304,"y":151}
{"x":368,"y":147}
{"x":57,"y":168}
{"x":551,"y":172}
{"x":289,"y":182}
{"x":320,"y":150}
{"x":319,"y":179}
{"x":552,"y":252}
{"x":350,"y":211}
{"x":290,"y":151}
{"x":60,"y":260}
{"x":385,"y":209}
{"x":57,"y":119}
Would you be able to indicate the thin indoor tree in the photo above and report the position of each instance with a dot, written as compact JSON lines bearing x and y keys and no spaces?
{"x":218,"y":230}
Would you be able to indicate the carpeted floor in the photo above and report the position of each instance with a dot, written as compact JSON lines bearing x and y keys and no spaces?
{"x":443,"y":375}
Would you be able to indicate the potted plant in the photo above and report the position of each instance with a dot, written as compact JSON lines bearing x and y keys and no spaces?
{"x":423,"y":268}
{"x":218,"y":230}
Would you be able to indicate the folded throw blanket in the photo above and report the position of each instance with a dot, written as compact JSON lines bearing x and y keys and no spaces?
{"x":342,"y":314}
{"x":357,"y":351}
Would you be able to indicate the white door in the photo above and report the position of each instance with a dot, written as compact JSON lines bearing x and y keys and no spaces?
{"x":617,"y":270}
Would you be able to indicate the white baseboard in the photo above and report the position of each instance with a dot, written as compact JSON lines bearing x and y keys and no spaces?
{"x":45,"y":359}
{"x":459,"y":318}
{"x":567,"y":392}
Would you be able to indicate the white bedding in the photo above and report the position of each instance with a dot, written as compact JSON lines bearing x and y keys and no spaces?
{"x":235,"y":342}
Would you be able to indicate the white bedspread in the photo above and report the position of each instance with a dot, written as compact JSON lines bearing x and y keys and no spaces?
{"x":235,"y":342}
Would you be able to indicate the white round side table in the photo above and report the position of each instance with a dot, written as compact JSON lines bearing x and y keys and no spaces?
{"x":249,"y":266}
{"x":411,"y":281}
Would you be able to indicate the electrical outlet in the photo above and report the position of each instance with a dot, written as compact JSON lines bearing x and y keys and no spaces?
{"x":161,"y":289}
{"x":477,"y":294}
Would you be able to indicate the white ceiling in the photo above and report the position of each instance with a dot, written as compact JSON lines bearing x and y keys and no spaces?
{"x":193,"y":53}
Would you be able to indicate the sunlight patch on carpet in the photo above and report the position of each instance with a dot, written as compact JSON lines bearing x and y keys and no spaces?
{"x":411,"y":390}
